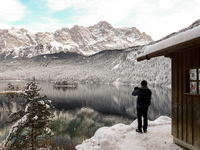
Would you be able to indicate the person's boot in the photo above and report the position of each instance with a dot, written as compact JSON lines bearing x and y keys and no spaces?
{"x":138,"y":130}
{"x":145,"y":130}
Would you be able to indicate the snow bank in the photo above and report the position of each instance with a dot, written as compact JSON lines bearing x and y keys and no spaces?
{"x":124,"y":137}
{"x":179,"y":38}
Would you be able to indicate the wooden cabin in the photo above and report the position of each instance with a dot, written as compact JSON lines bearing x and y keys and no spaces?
{"x":184,"y":51}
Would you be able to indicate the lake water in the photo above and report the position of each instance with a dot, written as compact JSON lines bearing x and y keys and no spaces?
{"x":80,"y":112}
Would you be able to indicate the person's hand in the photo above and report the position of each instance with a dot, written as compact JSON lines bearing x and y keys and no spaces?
{"x":136,"y":88}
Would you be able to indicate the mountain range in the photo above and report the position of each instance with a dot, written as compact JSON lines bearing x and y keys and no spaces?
{"x":79,"y":39}
{"x":104,"y":66}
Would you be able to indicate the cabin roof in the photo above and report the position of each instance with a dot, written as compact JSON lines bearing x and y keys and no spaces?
{"x":181,"y":41}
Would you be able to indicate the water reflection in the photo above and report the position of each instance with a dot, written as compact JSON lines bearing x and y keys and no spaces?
{"x":108,"y":99}
{"x":89,"y":106}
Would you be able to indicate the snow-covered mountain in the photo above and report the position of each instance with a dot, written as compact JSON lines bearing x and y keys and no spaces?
{"x":105,"y":67}
{"x":82,"y":40}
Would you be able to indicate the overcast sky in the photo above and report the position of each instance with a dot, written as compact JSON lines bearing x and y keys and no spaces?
{"x":157,"y":18}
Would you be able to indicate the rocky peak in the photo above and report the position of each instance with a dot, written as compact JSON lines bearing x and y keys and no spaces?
{"x":103,"y":25}
{"x":101,"y":28}
{"x":79,"y":39}
{"x":81,"y":35}
{"x":14,"y":37}
{"x":146,"y":37}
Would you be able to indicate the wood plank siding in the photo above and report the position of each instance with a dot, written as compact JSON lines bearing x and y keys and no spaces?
{"x":185,"y":106}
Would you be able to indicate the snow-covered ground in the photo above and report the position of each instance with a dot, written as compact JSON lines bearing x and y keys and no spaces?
{"x":124,"y":137}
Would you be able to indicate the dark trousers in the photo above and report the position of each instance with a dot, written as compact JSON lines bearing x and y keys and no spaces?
{"x":142,"y":112}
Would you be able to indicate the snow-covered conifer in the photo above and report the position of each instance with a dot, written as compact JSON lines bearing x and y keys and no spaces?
{"x":32,"y":121}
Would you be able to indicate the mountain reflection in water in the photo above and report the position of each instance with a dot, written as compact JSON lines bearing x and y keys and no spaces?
{"x":108,"y":99}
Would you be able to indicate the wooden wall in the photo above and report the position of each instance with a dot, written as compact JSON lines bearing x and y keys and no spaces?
{"x":185,"y":106}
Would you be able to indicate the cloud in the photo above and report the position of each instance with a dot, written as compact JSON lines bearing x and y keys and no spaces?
{"x":165,"y":4}
{"x":43,"y":24}
{"x":101,"y":9}
{"x":157,"y":18}
{"x":88,"y":12}
{"x":59,"y":5}
{"x":11,"y":10}
{"x":5,"y":26}
{"x":159,"y":21}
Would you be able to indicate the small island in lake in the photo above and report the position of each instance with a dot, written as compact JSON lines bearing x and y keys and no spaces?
{"x":66,"y":84}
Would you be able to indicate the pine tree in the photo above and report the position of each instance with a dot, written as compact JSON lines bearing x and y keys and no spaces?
{"x":32,"y":121}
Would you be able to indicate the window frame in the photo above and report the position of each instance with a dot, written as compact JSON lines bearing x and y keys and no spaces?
{"x":197,"y":81}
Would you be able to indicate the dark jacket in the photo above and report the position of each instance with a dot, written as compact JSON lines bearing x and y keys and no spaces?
{"x":137,"y":92}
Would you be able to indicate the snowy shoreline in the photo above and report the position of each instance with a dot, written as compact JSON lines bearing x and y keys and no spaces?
{"x":10,"y":92}
{"x":124,"y":137}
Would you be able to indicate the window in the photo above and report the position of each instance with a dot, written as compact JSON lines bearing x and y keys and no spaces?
{"x":194,"y":80}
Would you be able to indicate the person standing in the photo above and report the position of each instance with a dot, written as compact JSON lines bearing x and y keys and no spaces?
{"x":143,"y":102}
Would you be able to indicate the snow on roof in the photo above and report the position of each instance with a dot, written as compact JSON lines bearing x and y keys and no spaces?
{"x":177,"y":39}
{"x":124,"y":137}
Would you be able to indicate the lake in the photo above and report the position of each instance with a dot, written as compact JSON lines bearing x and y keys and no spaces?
{"x":80,"y":112}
